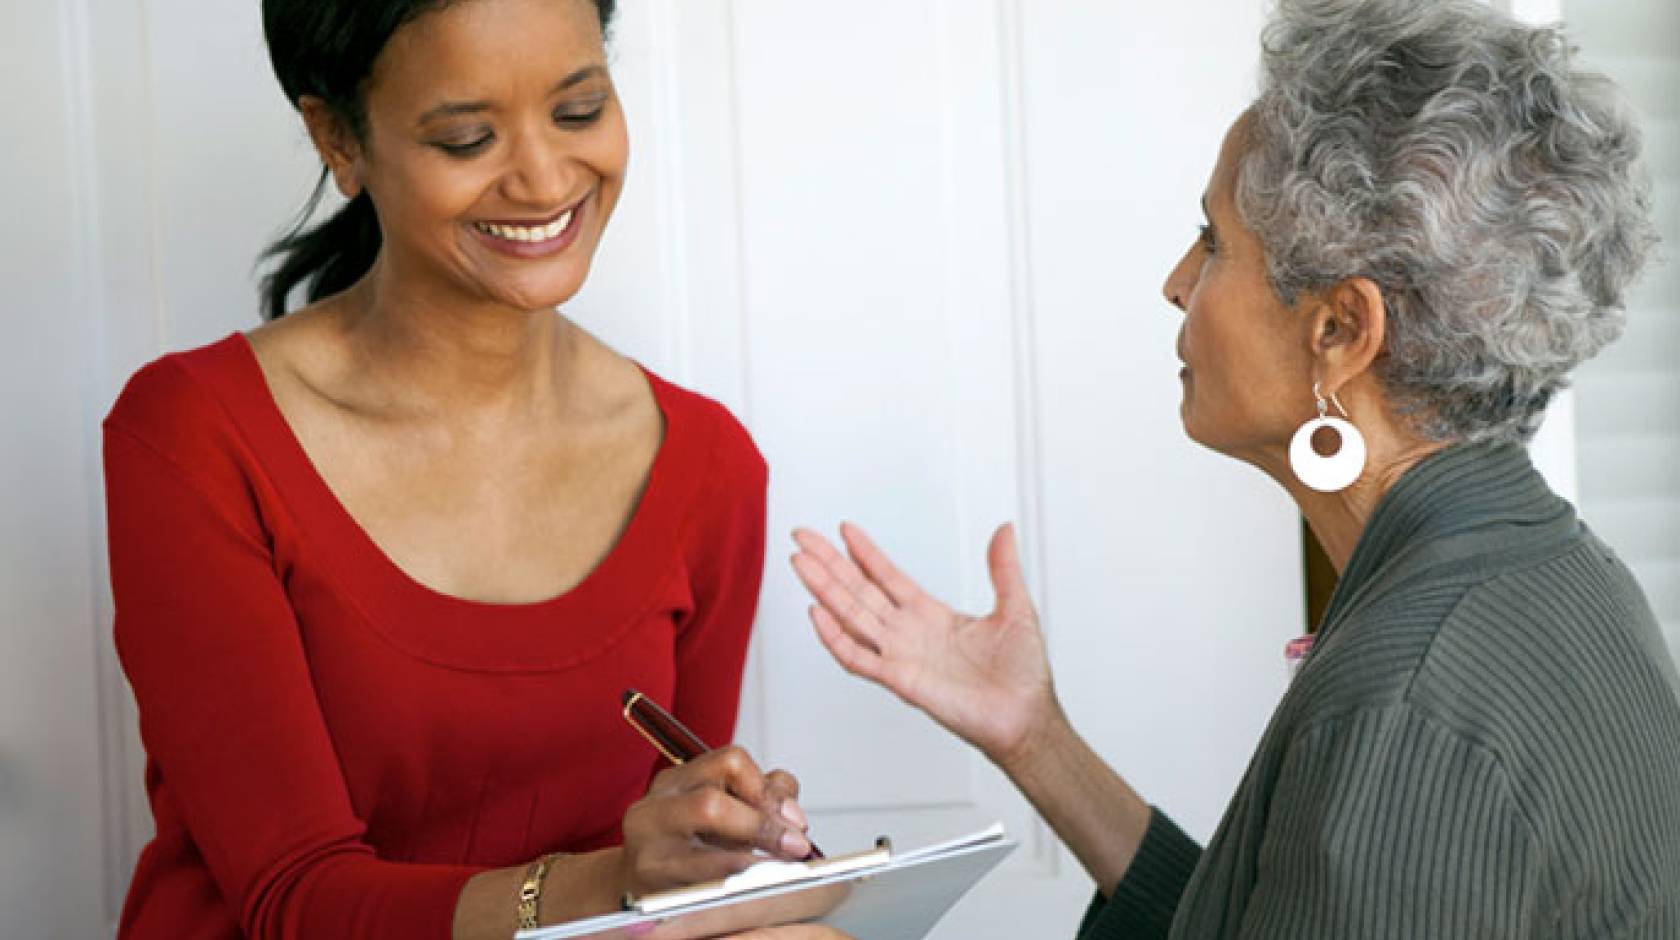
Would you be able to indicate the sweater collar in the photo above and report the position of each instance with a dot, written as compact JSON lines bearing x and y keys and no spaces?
{"x":1459,"y":505}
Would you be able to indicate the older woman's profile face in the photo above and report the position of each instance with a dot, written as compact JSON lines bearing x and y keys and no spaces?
{"x":1246,"y":380}
{"x":495,"y":148}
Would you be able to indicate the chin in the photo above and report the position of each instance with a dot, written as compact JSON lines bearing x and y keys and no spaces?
{"x":1189,"y":426}
{"x":1190,"y":432}
{"x":1187,"y":420}
{"x":1198,"y":434}
{"x":538,"y":293}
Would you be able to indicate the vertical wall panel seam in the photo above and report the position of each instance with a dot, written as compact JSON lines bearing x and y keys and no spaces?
{"x":744,"y":387}
{"x":89,"y":299}
{"x":154,"y":220}
{"x":737,"y":145}
{"x":1030,"y":460}
{"x":677,"y":309}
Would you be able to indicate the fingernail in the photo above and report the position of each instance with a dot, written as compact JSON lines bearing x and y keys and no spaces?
{"x":795,"y":845}
{"x":642,"y":930}
{"x":793,"y":814}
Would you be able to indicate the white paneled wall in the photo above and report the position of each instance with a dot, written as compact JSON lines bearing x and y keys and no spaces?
{"x":1629,"y":398}
{"x":51,"y":831}
{"x":1166,"y":622}
{"x":916,"y":244}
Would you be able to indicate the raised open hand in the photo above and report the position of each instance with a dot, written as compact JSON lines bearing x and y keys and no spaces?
{"x":986,"y":679}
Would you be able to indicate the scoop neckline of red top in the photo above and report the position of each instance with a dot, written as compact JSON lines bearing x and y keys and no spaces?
{"x":612,"y":594}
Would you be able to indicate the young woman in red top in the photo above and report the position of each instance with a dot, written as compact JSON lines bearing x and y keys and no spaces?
{"x":384,"y":566}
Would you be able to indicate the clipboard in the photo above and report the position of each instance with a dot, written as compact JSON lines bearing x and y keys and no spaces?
{"x":875,"y":894}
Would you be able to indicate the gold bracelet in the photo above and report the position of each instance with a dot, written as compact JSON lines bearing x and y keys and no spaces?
{"x":530,"y":891}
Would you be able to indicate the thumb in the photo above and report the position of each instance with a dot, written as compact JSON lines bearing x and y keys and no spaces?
{"x":1003,"y":558}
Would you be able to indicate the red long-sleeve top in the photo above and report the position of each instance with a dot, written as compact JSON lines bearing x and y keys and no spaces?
{"x":333,"y":749}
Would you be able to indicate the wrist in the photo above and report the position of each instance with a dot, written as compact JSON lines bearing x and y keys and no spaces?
{"x":1043,"y":736}
{"x":603,"y":881}
{"x":528,"y":913}
{"x":583,"y":885}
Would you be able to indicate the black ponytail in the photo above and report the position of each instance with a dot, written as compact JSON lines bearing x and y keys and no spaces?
{"x":326,"y":48}
{"x":326,"y":258}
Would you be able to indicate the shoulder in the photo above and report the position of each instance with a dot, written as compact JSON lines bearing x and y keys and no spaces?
{"x":1567,"y":648}
{"x":1552,"y":672}
{"x":1574,"y":624}
{"x":182,"y":402}
{"x":1558,"y":670}
{"x":716,"y":444}
{"x":718,"y":484}
{"x":184,"y":427}
{"x":1473,"y":625}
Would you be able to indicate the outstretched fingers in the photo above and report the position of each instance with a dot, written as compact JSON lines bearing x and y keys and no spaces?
{"x":869,"y":594}
{"x":839,"y":586}
{"x":862,"y":661}
{"x":897,"y":586}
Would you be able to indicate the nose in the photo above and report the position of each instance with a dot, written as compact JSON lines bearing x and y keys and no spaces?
{"x":538,"y":173}
{"x":1181,"y":280}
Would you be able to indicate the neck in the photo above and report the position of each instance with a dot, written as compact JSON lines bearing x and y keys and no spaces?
{"x":1339,"y":519}
{"x":442,"y":354}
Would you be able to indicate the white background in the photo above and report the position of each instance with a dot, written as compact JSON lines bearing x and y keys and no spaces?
{"x":915,"y":244}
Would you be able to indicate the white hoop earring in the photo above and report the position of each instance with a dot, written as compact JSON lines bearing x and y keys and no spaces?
{"x":1338,"y":471}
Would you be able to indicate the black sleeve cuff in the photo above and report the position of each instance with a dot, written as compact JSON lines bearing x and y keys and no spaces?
{"x":1144,"y":902}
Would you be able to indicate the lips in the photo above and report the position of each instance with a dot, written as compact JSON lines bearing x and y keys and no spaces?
{"x":532,"y":239}
{"x":535,"y":231}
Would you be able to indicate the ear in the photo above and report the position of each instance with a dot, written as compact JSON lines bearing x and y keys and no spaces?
{"x":336,"y":144}
{"x":1349,"y":325}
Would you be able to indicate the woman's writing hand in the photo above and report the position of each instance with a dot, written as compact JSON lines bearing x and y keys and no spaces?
{"x":986,"y":679}
{"x":702,"y":821}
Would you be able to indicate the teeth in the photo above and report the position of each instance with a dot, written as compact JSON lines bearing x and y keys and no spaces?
{"x":524,"y":233}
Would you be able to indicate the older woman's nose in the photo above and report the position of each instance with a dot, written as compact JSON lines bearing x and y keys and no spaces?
{"x":1179,"y":283}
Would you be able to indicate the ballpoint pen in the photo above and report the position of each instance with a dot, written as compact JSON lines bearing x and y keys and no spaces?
{"x":670,"y":738}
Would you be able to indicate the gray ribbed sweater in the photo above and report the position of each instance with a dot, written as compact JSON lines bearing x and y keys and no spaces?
{"x":1484,"y":742}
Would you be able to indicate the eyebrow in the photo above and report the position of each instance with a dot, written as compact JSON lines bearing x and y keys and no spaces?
{"x":450,"y":108}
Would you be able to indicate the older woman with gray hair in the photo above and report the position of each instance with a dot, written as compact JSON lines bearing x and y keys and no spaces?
{"x":1426,"y":220}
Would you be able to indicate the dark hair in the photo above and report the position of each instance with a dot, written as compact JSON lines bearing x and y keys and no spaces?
{"x":327,"y":48}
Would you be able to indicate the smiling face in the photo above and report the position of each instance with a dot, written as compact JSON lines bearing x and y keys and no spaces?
{"x":1247,"y":381}
{"x":494,"y":150}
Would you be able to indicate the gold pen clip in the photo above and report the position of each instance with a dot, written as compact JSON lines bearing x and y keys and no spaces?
{"x":658,"y":745}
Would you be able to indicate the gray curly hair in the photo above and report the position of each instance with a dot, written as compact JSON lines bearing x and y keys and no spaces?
{"x":1460,"y":161}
